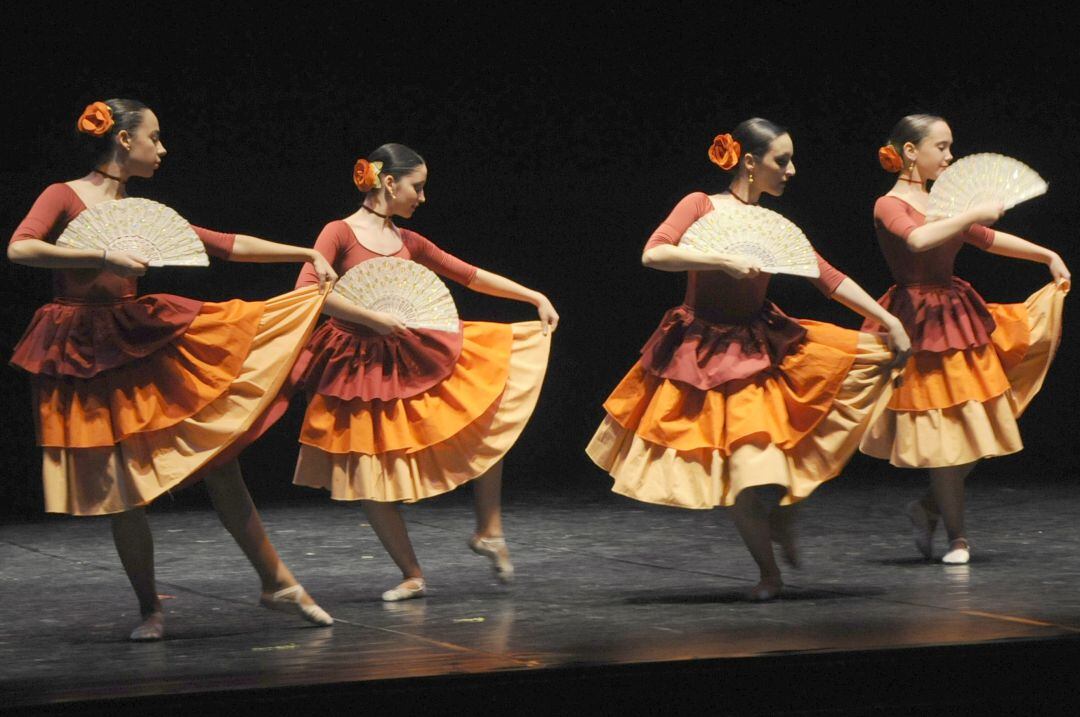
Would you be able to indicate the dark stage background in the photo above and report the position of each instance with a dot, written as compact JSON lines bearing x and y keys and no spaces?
{"x":557,"y":139}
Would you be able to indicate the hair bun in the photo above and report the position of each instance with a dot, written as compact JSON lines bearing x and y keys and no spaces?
{"x":890,"y":159}
{"x":366,"y":175}
{"x":725,"y":151}
{"x":96,"y":119}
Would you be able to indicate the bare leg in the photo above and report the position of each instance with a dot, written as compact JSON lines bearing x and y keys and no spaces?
{"x":238,"y":514}
{"x":947,"y":489}
{"x":390,"y":526}
{"x":488,"y":539}
{"x":782,"y":528}
{"x":487,"y":498}
{"x":752,"y":520}
{"x":135,"y":546}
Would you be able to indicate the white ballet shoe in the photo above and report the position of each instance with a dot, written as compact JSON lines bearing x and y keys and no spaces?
{"x":151,"y":629}
{"x":496,"y":550}
{"x":767,"y":589}
{"x":407,"y":590}
{"x":959,"y":553}
{"x":288,"y":600}
{"x":923,"y":524}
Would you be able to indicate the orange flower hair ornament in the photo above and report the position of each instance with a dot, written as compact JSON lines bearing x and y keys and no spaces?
{"x":890,"y":159}
{"x":366,"y":175}
{"x":725,"y":151}
{"x":96,"y":119}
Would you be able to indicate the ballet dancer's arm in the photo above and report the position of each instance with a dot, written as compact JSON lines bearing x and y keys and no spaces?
{"x":855,"y":298}
{"x":920,"y":238}
{"x":492,"y":284}
{"x":254,"y":249}
{"x":662,"y":250}
{"x":1016,"y":248}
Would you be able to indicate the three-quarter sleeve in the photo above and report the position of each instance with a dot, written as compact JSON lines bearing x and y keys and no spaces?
{"x":830,"y":278}
{"x":689,"y":209}
{"x":892,"y":215}
{"x":330,"y":243}
{"x":424,"y":252}
{"x":58,"y":204}
{"x":980,"y":236}
{"x":218,"y":244}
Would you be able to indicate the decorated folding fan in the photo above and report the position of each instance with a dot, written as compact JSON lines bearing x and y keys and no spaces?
{"x":137,"y":226}
{"x":402,"y":288}
{"x":983,"y":177}
{"x":775,"y":243}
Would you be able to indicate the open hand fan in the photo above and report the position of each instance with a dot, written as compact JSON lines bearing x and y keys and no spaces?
{"x":138,"y":226}
{"x":981,"y":178}
{"x":774,"y":242}
{"x":403,"y":288}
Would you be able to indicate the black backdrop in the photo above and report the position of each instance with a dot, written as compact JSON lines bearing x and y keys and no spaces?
{"x":557,"y":139}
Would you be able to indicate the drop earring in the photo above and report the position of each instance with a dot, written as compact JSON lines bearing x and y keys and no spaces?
{"x":750,"y":178}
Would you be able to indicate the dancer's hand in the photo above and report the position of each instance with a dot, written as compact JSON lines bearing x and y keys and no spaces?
{"x":549,"y":318}
{"x":987,"y":213}
{"x":326,"y":274}
{"x":122,"y":263}
{"x":741,"y":267}
{"x":1059,"y":271}
{"x":899,"y":343}
{"x":385,"y":324}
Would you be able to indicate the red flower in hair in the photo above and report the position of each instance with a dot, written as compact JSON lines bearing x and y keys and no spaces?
{"x":890,"y":159}
{"x":366,"y":175}
{"x":725,"y":151}
{"x":96,"y":119}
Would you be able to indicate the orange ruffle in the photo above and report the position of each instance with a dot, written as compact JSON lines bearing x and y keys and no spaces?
{"x":775,"y":406}
{"x":417,"y":422}
{"x":942,"y":380}
{"x":156,"y":392}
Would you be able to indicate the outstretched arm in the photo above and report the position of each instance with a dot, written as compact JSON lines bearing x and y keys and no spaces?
{"x":855,"y":298}
{"x":254,"y":249}
{"x":1016,"y":248}
{"x":486,"y":282}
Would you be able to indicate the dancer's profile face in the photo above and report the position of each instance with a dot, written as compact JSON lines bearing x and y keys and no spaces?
{"x":773,"y":170}
{"x":144,"y":148}
{"x":933,"y":153}
{"x":408,"y":192}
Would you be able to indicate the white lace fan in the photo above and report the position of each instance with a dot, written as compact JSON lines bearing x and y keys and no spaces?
{"x":777,"y":245}
{"x":403,"y":288}
{"x":981,"y":178}
{"x":139,"y":226}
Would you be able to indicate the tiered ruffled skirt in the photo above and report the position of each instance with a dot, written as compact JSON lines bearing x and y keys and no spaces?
{"x":712,"y":409}
{"x":974,"y":369}
{"x":403,"y":418}
{"x":134,"y":396}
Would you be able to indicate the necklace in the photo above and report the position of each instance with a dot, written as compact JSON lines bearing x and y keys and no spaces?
{"x":909,"y":180}
{"x":740,"y":199}
{"x":366,"y":208}
{"x":109,"y":176}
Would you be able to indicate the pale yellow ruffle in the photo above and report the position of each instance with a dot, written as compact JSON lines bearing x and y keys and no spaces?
{"x":138,"y":469}
{"x":970,"y":431}
{"x":704,"y":478}
{"x":404,"y":476}
{"x":945,"y":436}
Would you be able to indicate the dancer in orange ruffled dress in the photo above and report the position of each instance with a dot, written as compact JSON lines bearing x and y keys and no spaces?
{"x":732,"y":399}
{"x":137,"y":396}
{"x":398,"y":414}
{"x":975,"y":366}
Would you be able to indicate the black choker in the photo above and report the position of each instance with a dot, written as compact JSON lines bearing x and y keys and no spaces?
{"x":109,"y":176}
{"x":366,"y":208}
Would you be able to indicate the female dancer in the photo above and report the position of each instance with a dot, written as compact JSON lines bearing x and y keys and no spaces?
{"x":397,"y":414}
{"x":731,"y":395}
{"x":975,"y":365}
{"x":135,"y":395}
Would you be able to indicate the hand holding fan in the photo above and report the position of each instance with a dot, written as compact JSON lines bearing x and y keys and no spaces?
{"x":773,"y":241}
{"x":984,"y":177}
{"x":402,"y":288}
{"x":137,"y":226}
